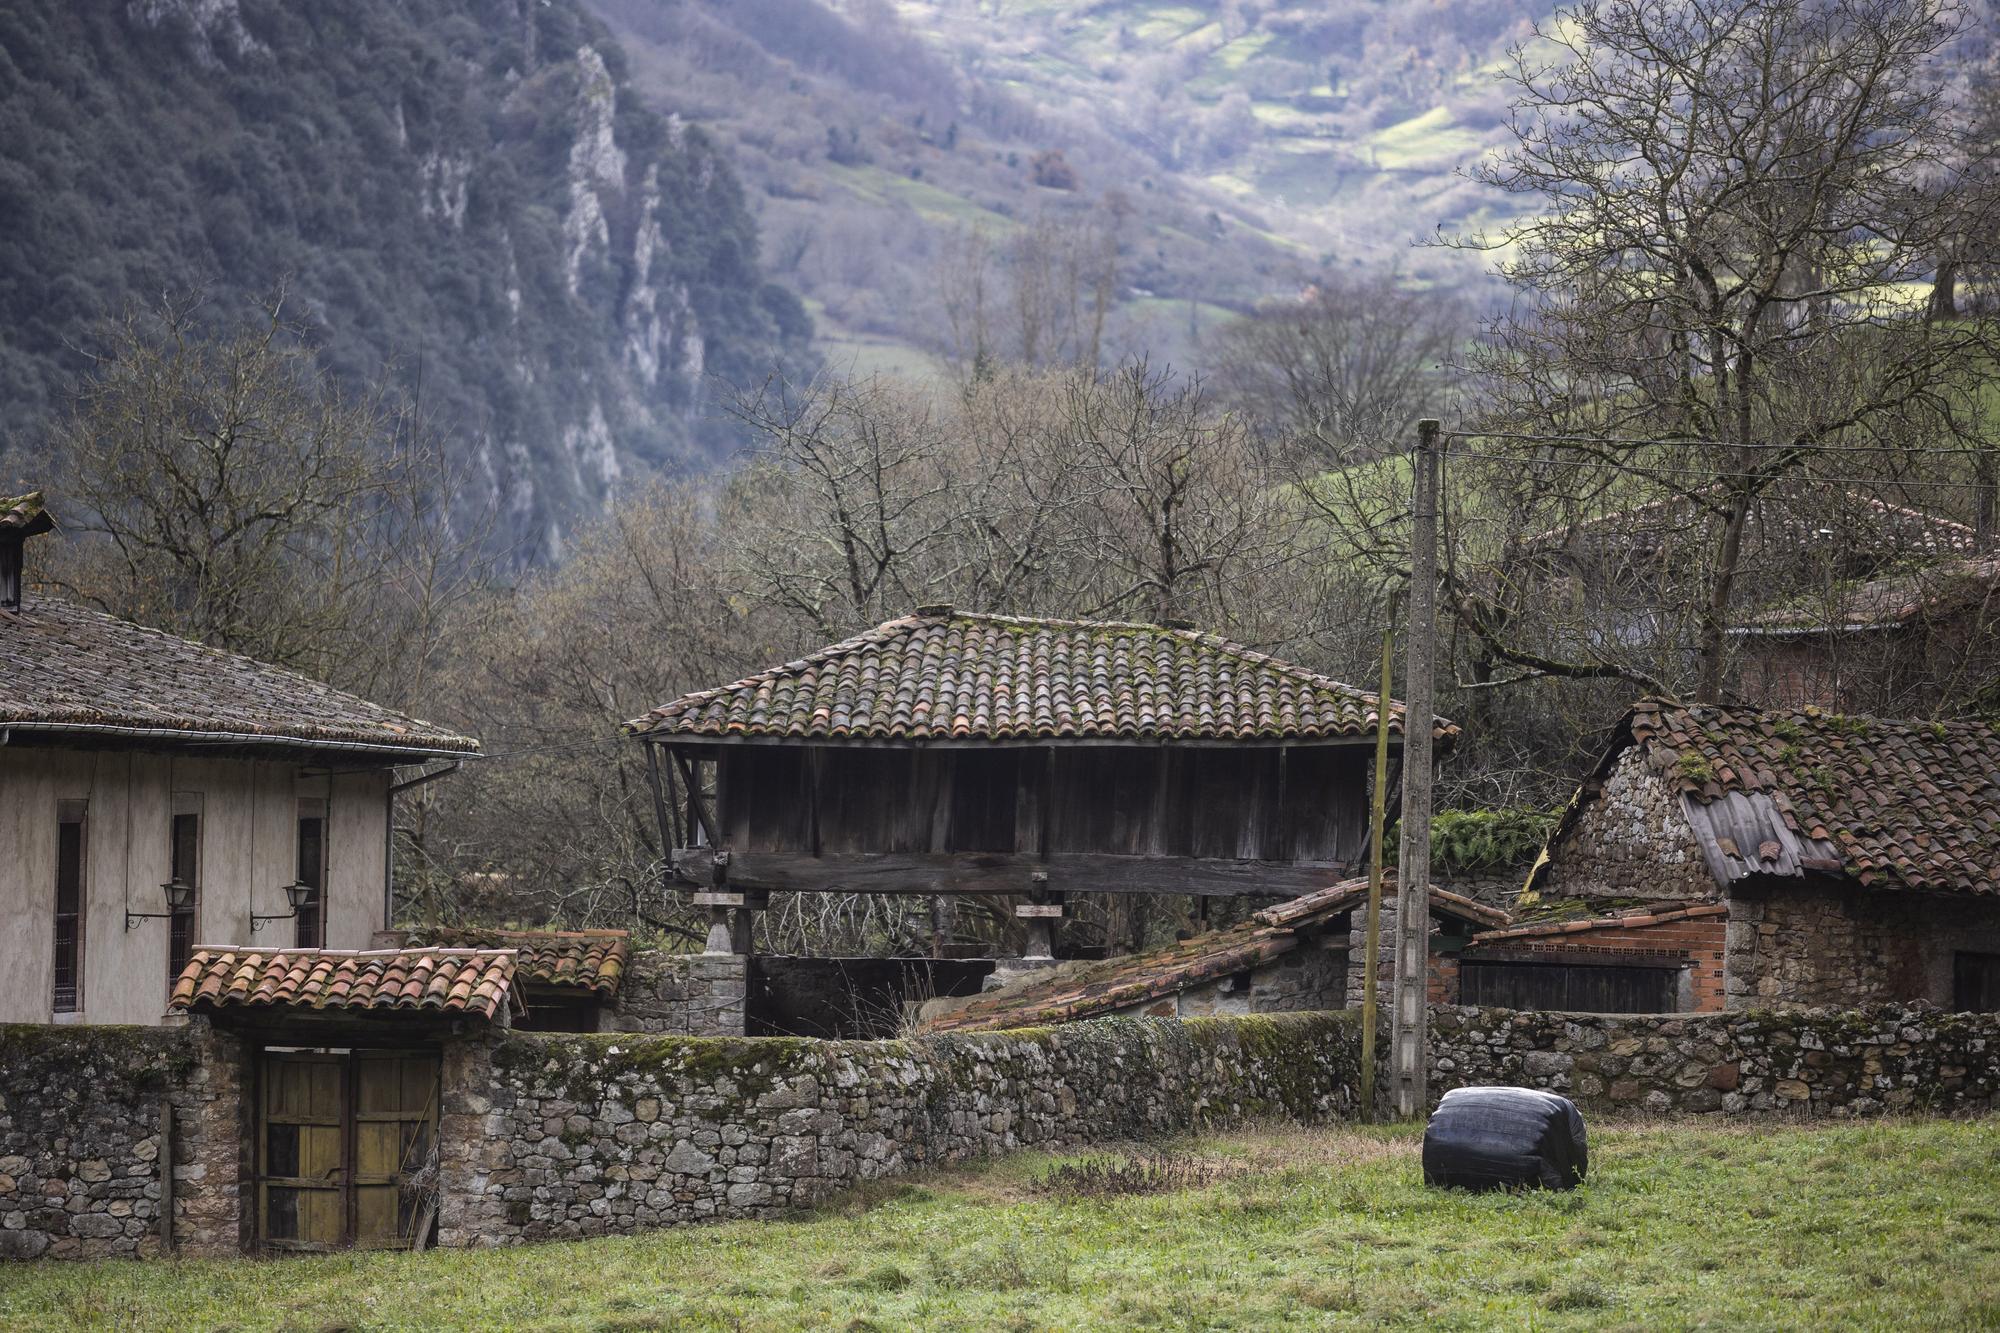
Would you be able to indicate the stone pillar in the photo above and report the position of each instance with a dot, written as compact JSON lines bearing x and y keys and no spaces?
{"x":212,"y":1150}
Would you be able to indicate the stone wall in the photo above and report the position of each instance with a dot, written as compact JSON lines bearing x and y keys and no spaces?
{"x":1807,"y":1062}
{"x":687,"y":994}
{"x":80,"y":1143}
{"x":551,"y":1136}
{"x":1310,"y":977}
{"x":1815,"y":944}
{"x":1632,"y":841}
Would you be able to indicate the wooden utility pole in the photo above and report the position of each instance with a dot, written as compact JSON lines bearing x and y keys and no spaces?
{"x":1408,"y":1033}
{"x":1372,"y":939}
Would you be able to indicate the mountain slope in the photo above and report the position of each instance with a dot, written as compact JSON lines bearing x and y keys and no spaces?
{"x":1235,"y":149}
{"x":461,"y":191}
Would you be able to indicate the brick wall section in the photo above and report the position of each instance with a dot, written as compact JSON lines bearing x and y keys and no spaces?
{"x":1792,"y":943}
{"x":691,"y":995}
{"x":1632,"y":841}
{"x":1809,"y":1062}
{"x":1700,"y":940}
{"x":80,"y":1111}
{"x":578,"y":1136}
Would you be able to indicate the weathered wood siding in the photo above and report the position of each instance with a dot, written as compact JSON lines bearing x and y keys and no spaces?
{"x":1306,"y":803}
{"x":248,"y":852}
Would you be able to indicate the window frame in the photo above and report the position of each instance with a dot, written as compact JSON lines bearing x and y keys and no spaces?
{"x":184,"y":924}
{"x":70,"y":814}
{"x":312,"y":810}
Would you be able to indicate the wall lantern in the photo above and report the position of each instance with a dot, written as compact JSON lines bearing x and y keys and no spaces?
{"x":179,"y":896}
{"x":297,"y":893}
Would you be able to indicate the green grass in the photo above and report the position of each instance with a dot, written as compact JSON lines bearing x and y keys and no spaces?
{"x":1871,"y":1226}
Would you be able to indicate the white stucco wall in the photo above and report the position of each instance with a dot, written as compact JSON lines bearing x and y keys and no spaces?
{"x":249,"y":851}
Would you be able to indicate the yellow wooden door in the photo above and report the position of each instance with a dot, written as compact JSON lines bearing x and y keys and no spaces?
{"x":301,"y":1152}
{"x":345,"y":1148}
{"x":395,"y":1137}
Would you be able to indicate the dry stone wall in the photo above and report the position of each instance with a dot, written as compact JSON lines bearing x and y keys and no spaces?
{"x":80,"y":1145}
{"x":1814,"y":1062}
{"x":553,"y":1136}
{"x":1632,"y":841}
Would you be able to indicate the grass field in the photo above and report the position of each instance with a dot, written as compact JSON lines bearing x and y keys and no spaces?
{"x":1892,"y":1225}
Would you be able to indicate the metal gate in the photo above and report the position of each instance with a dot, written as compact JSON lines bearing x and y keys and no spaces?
{"x":345,"y":1142}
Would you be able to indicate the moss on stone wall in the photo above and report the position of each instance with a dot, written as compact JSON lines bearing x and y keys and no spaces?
{"x":148,"y":1056}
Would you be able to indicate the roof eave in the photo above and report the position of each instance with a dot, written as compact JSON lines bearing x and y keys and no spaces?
{"x":261,"y":739}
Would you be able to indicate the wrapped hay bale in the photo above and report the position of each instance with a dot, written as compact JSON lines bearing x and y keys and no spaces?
{"x":1505,"y":1138}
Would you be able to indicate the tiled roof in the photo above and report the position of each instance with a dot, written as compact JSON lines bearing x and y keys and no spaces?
{"x":941,"y":675}
{"x":1088,"y":990}
{"x":64,"y":665}
{"x":1938,"y":590}
{"x":1633,"y":920}
{"x":469,"y":981}
{"x":1794,"y":516}
{"x":588,"y":959}
{"x":25,"y":514}
{"x":1892,"y":804}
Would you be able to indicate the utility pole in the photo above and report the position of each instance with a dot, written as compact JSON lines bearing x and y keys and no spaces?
{"x":1410,"y":1020}
{"x":1372,"y":939}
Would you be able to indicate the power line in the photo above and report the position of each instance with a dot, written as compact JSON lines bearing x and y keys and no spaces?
{"x":1696,"y":443}
{"x":1716,"y":475}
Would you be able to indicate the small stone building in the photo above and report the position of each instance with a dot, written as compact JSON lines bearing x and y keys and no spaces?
{"x":1856,"y":860}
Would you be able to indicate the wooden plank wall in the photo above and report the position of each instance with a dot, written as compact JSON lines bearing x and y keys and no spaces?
{"x":1303,"y":803}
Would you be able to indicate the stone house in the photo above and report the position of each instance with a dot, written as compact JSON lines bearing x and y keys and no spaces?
{"x":157,"y":795}
{"x":1855,"y":860}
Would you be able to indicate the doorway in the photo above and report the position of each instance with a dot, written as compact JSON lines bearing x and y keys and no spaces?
{"x":346,"y":1146}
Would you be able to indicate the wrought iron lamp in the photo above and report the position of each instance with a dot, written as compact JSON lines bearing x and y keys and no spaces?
{"x":297,"y":893}
{"x":179,"y":895}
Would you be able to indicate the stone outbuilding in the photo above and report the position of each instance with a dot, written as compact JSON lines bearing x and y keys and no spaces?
{"x":1855,"y":860}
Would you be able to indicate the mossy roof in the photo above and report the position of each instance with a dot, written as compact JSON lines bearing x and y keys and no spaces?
{"x":945,"y":675}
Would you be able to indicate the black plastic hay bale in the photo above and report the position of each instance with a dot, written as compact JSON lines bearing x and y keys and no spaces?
{"x":1505,"y":1138}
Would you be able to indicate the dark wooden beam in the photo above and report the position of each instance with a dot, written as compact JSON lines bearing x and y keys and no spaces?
{"x":1007,"y":872}
{"x":690,"y":776}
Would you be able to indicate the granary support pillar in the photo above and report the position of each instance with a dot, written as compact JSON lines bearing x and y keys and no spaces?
{"x":1040,"y":915}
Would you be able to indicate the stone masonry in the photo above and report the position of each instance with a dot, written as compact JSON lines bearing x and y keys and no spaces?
{"x":1633,"y":842}
{"x":693,"y":995}
{"x":1813,"y":944}
{"x":551,"y":1136}
{"x":1803,"y":1062}
{"x":80,"y":1145}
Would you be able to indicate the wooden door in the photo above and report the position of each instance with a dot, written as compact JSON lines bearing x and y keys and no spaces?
{"x":395,"y":1133}
{"x":301,"y":1153}
{"x":343,"y":1145}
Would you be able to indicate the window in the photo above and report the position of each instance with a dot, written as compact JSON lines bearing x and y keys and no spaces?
{"x":71,"y":846}
{"x":185,"y":866}
{"x":312,"y":874}
{"x":1975,"y":985}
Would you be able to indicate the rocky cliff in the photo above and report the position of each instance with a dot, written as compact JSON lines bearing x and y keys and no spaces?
{"x":461,"y":194}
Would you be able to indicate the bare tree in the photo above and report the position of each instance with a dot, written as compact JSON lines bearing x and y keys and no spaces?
{"x":229,"y":489}
{"x":1341,"y":374}
{"x":1735,"y":208}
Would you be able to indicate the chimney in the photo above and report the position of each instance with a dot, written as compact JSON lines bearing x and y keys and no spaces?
{"x":21,"y":517}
